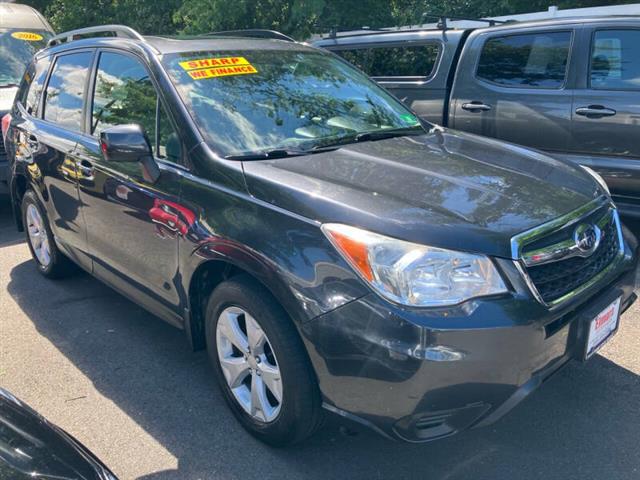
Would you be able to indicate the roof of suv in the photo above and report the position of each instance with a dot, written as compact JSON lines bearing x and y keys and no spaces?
{"x":123,"y":36}
{"x":14,"y":15}
{"x":193,"y":44}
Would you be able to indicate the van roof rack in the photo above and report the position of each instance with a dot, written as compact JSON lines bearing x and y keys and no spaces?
{"x":114,"y":31}
{"x":440,"y":25}
{"x":442,"y":20}
{"x":253,"y":33}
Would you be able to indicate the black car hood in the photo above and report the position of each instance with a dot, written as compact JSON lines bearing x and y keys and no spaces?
{"x":444,"y":188}
{"x":33,"y":448}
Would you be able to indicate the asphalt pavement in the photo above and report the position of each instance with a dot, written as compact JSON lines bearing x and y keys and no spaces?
{"x":128,"y":387}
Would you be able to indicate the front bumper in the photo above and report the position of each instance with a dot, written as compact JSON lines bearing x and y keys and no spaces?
{"x":420,"y":375}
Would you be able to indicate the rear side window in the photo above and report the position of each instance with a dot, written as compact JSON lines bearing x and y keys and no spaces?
{"x":615,"y":60}
{"x":65,"y":91}
{"x":536,"y":60}
{"x":32,"y":91}
{"x":405,"y":61}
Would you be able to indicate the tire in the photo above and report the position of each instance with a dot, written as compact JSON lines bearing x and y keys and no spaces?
{"x":54,"y":264}
{"x":298,"y":413}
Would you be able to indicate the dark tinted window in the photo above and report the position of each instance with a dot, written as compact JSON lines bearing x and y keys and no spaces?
{"x":34,"y":83}
{"x":411,"y":61}
{"x":65,"y":91}
{"x":530,"y":61}
{"x":615,"y":60}
{"x":123,"y":94}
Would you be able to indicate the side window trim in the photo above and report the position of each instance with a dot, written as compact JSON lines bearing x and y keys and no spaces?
{"x":592,"y":39}
{"x":413,"y":79}
{"x":160,"y":102}
{"x":482,"y":40}
{"x":39,"y":113}
{"x":43,"y":96}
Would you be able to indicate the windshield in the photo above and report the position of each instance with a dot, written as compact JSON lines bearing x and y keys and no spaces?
{"x":17,"y":46}
{"x":260,"y":100}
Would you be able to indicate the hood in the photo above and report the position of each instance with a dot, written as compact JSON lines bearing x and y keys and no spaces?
{"x":6,"y":98}
{"x":445,"y":188}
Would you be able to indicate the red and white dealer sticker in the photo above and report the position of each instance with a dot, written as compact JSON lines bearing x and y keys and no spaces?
{"x":603,"y":326}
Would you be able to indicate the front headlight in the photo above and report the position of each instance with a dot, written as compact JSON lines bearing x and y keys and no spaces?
{"x":596,"y":176}
{"x":412,"y":274}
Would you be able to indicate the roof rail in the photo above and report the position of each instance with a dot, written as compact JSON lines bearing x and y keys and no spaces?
{"x":115,"y":30}
{"x":254,"y":33}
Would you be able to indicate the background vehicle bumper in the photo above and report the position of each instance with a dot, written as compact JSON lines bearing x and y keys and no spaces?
{"x":422,"y":375}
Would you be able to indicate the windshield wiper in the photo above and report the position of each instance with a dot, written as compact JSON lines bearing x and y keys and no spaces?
{"x":9,"y":85}
{"x":388,"y":133}
{"x":267,"y":154}
{"x":371,"y":136}
{"x":332,"y":145}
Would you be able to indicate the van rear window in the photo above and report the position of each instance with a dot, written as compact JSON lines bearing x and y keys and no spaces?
{"x":405,"y":61}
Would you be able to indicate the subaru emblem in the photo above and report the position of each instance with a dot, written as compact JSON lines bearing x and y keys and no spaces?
{"x":587,"y":238}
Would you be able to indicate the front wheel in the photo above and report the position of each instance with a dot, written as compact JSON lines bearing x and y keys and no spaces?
{"x":50,"y":260}
{"x":261,"y":364}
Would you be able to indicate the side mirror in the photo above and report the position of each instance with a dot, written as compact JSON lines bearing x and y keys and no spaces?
{"x":124,"y":143}
{"x":129,"y":143}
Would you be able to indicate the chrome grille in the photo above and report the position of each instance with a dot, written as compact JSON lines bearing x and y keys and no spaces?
{"x":554,"y":258}
{"x":556,"y":279}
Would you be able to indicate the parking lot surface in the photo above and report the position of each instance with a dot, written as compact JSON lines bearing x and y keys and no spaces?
{"x":128,"y":387}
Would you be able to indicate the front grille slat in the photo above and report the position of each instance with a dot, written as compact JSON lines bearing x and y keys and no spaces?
{"x":556,"y":279}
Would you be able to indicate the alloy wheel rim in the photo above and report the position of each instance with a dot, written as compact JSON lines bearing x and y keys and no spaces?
{"x":38,"y":236}
{"x":249,"y":364}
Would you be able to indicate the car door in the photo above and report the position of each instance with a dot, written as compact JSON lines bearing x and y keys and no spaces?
{"x":514,"y":85}
{"x":133,"y":225}
{"x":47,"y":141}
{"x":606,"y":111}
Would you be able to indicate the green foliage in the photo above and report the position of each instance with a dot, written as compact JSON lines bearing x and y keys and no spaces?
{"x":299,"y":18}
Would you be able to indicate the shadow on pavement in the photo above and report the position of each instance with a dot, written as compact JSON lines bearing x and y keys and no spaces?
{"x":582,"y":424}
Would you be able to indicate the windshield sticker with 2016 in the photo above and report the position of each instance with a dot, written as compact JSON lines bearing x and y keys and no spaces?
{"x":27,"y":36}
{"x":217,"y":67}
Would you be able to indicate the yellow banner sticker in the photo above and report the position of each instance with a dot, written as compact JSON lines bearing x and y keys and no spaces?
{"x":28,"y":36}
{"x":213,"y":62}
{"x":222,"y":71}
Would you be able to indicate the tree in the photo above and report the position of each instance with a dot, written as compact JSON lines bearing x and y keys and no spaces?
{"x":299,"y":18}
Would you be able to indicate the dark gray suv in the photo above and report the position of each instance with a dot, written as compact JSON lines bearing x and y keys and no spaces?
{"x":331,"y":252}
{"x":568,"y":86}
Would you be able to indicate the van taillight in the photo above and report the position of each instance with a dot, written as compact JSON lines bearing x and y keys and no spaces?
{"x":6,"y":120}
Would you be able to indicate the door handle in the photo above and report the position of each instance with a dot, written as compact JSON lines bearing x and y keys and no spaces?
{"x":86,"y":169}
{"x":595,"y":111}
{"x":476,"y":106}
